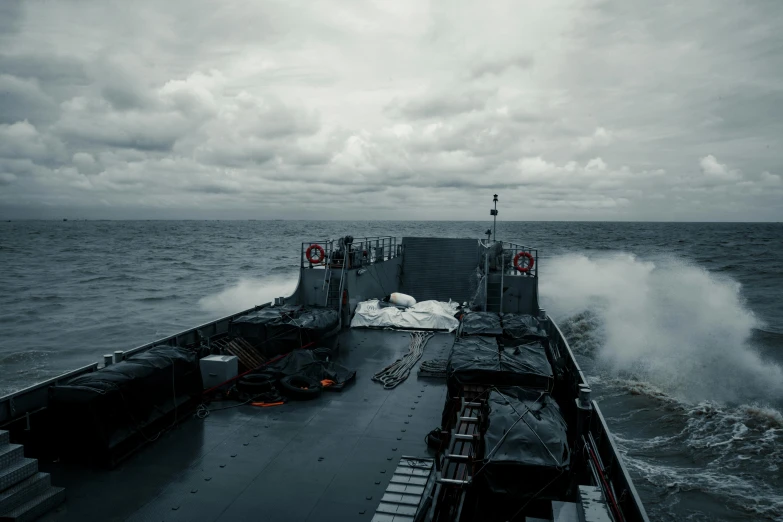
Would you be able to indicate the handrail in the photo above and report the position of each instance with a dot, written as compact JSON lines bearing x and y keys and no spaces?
{"x":373,"y":249}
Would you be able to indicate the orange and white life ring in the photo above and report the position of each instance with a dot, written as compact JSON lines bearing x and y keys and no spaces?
{"x":312,"y":257}
{"x":527,"y":266}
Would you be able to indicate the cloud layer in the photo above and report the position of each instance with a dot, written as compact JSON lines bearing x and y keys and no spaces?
{"x":568,"y":109}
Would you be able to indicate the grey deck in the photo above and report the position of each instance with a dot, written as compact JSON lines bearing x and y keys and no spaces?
{"x":322,"y":460}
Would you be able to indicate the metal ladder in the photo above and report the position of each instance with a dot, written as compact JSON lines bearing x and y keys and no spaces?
{"x":334,"y":286}
{"x":458,"y":461}
{"x":493,"y":291}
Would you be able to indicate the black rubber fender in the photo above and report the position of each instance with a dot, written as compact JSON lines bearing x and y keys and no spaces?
{"x":300,"y":387}
{"x":256,"y":382}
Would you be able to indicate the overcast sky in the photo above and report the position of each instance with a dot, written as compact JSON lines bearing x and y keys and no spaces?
{"x":402,"y":109}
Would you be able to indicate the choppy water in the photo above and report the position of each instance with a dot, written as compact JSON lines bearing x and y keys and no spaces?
{"x":679,"y":326}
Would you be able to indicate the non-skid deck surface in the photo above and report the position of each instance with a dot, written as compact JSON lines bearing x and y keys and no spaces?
{"x":324,"y":460}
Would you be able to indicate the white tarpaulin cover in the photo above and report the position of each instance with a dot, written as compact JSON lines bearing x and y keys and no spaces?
{"x":429,"y":315}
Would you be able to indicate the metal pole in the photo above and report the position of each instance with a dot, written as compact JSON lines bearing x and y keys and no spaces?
{"x":495,"y":219}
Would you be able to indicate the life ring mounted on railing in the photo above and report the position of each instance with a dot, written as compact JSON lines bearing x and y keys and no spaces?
{"x":528,"y":265}
{"x":317,"y":257}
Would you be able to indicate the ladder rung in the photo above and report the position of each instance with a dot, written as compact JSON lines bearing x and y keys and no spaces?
{"x":458,"y":457}
{"x":468,"y":419}
{"x":461,"y":436}
{"x":473,"y":404}
{"x":453,"y":482}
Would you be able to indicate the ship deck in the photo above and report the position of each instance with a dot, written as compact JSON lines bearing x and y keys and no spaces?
{"x":326,"y":459}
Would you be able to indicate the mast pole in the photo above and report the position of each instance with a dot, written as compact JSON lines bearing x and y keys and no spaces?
{"x":494,"y":213}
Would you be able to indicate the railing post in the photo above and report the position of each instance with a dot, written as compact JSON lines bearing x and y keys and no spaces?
{"x":502,"y":272}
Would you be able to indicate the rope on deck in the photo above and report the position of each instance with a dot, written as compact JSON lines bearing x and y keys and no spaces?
{"x":398,"y":371}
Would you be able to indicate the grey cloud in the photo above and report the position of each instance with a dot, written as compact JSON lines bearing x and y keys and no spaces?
{"x":157,"y":109}
{"x":22,"y":99}
{"x":50,"y":70}
{"x":499,"y":66}
{"x":10,"y":17}
{"x":442,"y":104}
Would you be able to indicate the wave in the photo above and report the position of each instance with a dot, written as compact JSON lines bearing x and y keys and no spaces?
{"x":246,"y":293}
{"x":668,"y":323}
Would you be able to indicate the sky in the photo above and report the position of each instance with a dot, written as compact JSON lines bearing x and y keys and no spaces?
{"x":404,"y":109}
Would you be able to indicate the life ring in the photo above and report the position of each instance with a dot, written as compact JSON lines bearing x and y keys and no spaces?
{"x":528,"y":266}
{"x":313,"y":259}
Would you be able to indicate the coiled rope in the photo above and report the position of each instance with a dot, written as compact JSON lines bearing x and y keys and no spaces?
{"x":398,"y":371}
{"x":433,"y":368}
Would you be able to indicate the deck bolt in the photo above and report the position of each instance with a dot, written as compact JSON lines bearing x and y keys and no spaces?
{"x":194,"y":491}
{"x":369,"y":497}
{"x":377,"y":482}
{"x":207,"y":479}
{"x":399,"y":438}
{"x":174,"y":508}
{"x":394,"y":449}
{"x":362,"y":512}
{"x":222,"y":465}
{"x":383,"y":471}
{"x":246,"y":444}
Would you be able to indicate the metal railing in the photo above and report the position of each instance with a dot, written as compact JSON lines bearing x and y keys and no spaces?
{"x":363,"y":251}
{"x":510,"y":250}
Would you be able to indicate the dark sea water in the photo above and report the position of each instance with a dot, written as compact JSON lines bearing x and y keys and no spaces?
{"x":678,"y":326}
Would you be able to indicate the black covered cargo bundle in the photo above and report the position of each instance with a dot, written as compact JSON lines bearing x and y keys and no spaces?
{"x":522,"y":328}
{"x":521,"y":456}
{"x":253,"y":326}
{"x":480,"y":360}
{"x":306,"y":364}
{"x":481,"y":323}
{"x":279,"y":330}
{"x":106,"y":415}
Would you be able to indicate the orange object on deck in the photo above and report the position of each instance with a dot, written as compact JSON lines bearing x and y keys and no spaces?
{"x":267,"y":404}
{"x":327,"y":382}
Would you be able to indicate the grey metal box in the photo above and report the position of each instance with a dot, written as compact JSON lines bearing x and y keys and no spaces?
{"x":216,"y":369}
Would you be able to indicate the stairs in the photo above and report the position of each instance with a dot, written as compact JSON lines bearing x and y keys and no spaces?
{"x":25,"y":493}
{"x":333,"y":280}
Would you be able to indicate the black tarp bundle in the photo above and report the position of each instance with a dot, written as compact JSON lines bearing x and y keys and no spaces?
{"x":480,"y":360}
{"x":481,"y":323}
{"x":521,"y":456}
{"x":522,"y":328}
{"x":107,"y":414}
{"x":305,"y":363}
{"x":278,"y":330}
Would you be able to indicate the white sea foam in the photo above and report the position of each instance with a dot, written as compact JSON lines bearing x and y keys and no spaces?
{"x":664,"y":322}
{"x":245,"y":294}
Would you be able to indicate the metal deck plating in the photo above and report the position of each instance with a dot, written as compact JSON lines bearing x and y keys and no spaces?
{"x":322,"y":460}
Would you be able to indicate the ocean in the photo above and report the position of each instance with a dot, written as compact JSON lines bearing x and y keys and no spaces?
{"x":679,"y":326}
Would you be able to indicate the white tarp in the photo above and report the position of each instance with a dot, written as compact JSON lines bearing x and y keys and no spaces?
{"x":429,"y":315}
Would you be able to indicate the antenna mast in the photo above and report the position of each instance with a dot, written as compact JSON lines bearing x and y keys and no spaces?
{"x":494,"y":213}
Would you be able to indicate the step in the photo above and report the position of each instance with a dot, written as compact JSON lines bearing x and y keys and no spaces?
{"x":22,"y":492}
{"x":9,"y":454}
{"x":17,"y":472}
{"x":36,"y":506}
{"x":4,"y":437}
